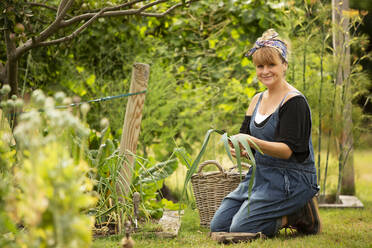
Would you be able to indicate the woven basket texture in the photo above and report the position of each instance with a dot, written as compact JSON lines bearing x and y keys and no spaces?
{"x":211,"y":187}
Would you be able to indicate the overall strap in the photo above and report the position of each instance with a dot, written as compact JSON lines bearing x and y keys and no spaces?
{"x":257,"y":104}
{"x":293,"y":91}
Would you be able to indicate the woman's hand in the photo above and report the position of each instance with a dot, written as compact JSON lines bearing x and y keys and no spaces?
{"x":243,"y":152}
{"x":271,"y":148}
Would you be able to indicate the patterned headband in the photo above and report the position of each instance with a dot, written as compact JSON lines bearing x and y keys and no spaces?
{"x":270,"y":39}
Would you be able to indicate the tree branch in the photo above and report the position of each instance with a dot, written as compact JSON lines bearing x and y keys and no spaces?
{"x":115,"y":11}
{"x":167,"y":11}
{"x":118,"y":7}
{"x":125,"y":5}
{"x":42,"y":5}
{"x":104,"y":12}
{"x":75,"y":33}
{"x":55,"y":25}
{"x":54,"y":8}
{"x":151,"y":4}
{"x":61,"y":7}
{"x":52,"y":28}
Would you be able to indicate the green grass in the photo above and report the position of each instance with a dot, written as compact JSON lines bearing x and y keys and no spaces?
{"x":341,"y":227}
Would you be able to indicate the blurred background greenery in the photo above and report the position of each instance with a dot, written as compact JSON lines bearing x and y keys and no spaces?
{"x":199,"y":77}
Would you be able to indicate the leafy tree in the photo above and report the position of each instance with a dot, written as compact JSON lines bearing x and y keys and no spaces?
{"x":28,"y":25}
{"x":199,"y":78}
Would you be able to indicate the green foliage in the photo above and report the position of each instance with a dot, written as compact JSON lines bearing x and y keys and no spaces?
{"x":147,"y":179}
{"x":7,"y":226}
{"x":48,"y":188}
{"x":157,"y":172}
{"x":197,"y":72}
{"x":7,"y":159}
{"x":199,"y":78}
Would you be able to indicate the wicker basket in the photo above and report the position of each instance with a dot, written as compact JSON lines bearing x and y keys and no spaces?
{"x":211,"y":187}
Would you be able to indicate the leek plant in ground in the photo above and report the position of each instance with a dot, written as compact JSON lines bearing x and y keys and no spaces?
{"x":148,"y":177}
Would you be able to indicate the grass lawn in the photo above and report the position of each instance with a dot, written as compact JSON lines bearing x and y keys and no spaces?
{"x":341,"y":227}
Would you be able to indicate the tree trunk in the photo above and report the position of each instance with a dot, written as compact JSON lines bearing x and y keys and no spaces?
{"x":3,"y":79}
{"x":342,"y":55}
{"x":12,"y":76}
{"x":11,"y":67}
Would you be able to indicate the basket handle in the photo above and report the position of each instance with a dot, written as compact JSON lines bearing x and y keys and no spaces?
{"x":207,"y":162}
{"x":246,"y":165}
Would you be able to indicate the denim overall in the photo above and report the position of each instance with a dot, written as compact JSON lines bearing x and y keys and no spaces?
{"x":280,"y":187}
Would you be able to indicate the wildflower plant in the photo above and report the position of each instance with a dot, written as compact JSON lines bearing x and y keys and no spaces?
{"x":50,"y":190}
{"x":7,"y":227}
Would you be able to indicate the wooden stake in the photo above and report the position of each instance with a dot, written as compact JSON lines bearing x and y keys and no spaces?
{"x":132,"y":125}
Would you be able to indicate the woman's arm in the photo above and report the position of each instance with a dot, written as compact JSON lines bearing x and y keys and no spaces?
{"x":292,"y":134}
{"x":274,"y":149}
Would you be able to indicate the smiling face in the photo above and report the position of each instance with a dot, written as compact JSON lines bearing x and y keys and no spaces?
{"x":270,"y":67}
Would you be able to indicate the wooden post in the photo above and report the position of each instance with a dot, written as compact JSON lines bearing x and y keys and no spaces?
{"x":132,"y":125}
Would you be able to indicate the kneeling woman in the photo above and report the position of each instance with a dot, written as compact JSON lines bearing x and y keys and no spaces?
{"x":278,"y":120}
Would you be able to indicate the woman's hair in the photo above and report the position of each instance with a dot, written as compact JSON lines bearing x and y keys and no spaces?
{"x":266,"y":56}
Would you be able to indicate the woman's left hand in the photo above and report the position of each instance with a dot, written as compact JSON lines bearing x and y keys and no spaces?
{"x":243,"y":152}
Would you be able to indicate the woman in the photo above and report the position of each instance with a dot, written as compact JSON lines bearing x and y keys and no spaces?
{"x":278,"y":120}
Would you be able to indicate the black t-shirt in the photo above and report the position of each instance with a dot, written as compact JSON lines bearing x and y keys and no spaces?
{"x":294,"y":127}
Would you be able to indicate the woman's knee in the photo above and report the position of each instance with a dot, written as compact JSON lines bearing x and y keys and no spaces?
{"x":213,"y":226}
{"x":222,"y":218}
{"x":218,"y":225}
{"x":238,"y":226}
